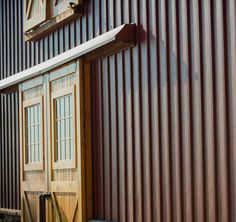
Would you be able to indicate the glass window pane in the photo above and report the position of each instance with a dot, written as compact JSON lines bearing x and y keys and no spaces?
{"x":64,"y":130}
{"x":33,"y":153}
{"x":36,"y":152}
{"x":71,"y":130}
{"x":33,"y":134}
{"x":29,"y":153}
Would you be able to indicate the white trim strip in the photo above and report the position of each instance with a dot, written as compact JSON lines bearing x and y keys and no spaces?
{"x":65,"y":57}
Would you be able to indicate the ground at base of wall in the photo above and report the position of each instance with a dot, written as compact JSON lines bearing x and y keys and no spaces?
{"x":7,"y":218}
{"x":101,"y":221}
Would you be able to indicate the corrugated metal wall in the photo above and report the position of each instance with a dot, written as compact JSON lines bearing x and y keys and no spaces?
{"x":164,"y":123}
{"x":164,"y":114}
{"x":10,"y":62}
{"x":9,"y":152}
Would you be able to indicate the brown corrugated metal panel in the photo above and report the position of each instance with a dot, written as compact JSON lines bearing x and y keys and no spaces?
{"x":9,"y":138}
{"x":164,"y":114}
{"x":9,"y":152}
{"x":164,"y":120}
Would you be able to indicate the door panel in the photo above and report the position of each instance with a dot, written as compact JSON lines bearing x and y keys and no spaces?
{"x":63,"y":167}
{"x":33,"y":170}
{"x":33,"y":204}
{"x":67,"y":204}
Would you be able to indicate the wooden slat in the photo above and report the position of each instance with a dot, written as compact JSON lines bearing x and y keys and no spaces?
{"x":56,"y":207}
{"x":26,"y":204}
{"x":28,"y":8}
{"x":34,"y":186}
{"x":74,"y":211}
{"x":64,"y":186}
{"x":88,"y":140}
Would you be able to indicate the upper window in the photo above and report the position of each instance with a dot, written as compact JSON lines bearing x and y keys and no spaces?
{"x":35,"y":13}
{"x":33,"y":131}
{"x":43,"y":16}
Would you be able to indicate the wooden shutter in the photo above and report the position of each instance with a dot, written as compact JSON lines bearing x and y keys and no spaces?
{"x":59,"y":6}
{"x":35,"y":13}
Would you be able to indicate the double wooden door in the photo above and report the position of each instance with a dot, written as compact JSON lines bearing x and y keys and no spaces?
{"x":55,"y":147}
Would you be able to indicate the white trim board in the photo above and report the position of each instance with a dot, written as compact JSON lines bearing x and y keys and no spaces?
{"x":124,"y":33}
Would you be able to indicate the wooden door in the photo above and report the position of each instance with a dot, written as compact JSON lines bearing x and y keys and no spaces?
{"x":66,"y":162}
{"x":33,"y":152}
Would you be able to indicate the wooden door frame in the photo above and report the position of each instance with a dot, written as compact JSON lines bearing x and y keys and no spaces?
{"x":85,"y":205}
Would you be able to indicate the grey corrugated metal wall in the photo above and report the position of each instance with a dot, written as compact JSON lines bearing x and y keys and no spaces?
{"x":164,"y":122}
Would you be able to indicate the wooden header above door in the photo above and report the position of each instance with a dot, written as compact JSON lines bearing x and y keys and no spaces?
{"x":117,"y":39}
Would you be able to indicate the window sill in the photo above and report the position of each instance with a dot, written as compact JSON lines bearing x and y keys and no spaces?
{"x":33,"y":166}
{"x":64,"y":164}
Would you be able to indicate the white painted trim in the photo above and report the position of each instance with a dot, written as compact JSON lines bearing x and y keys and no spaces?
{"x":63,"y":58}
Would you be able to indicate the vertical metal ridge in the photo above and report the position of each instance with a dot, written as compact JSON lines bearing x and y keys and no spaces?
{"x":136,"y":66}
{"x":102,"y":188}
{"x":1,"y":157}
{"x":145,"y":128}
{"x":196,"y":81}
{"x":221,"y":141}
{"x":231,"y":67}
{"x":1,"y":40}
{"x":227,"y":107}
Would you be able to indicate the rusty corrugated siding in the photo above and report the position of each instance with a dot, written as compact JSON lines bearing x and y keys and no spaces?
{"x":164,"y":122}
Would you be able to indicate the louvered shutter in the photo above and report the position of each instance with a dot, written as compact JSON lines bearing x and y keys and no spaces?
{"x":35,"y":13}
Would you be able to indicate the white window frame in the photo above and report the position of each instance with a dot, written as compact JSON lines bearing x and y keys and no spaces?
{"x":35,"y":165}
{"x":63,"y":164}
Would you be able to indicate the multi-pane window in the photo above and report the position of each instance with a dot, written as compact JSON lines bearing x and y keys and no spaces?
{"x":64,"y":128}
{"x":33,"y":134}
